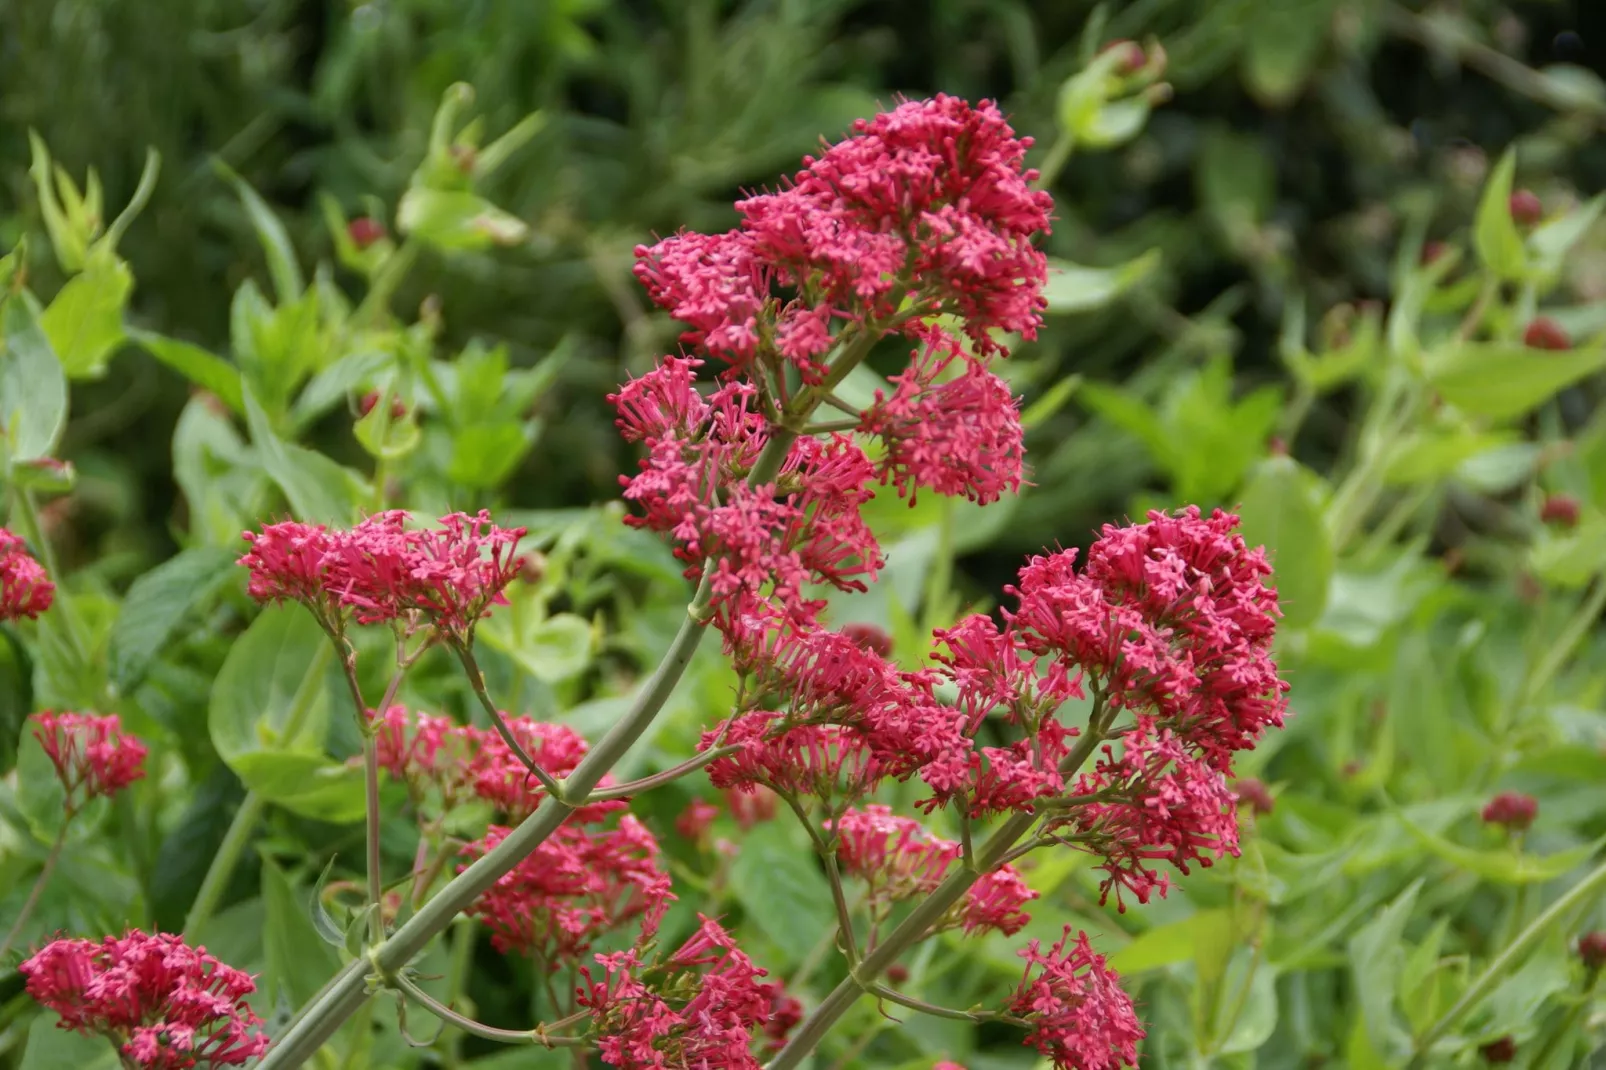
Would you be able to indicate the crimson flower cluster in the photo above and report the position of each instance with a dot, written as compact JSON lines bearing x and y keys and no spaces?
{"x":1078,"y":1013}
{"x":25,"y":589}
{"x":93,"y":756}
{"x":164,"y":1004}
{"x":898,"y":858}
{"x":382,"y":571}
{"x":701,"y":1006}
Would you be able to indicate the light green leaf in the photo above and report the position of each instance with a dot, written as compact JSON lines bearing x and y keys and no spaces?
{"x":1501,"y":864}
{"x":1073,"y":288}
{"x":782,"y":890}
{"x":159,"y":601}
{"x":1376,"y":955}
{"x":319,"y":490}
{"x":1502,"y":381}
{"x":1552,"y":240}
{"x":1570,"y":559}
{"x":51,"y":1048}
{"x":1115,"y":122}
{"x":1167,"y":945}
{"x":206,"y":370}
{"x":288,"y":282}
{"x":1279,"y":511}
{"x":456,"y":219}
{"x":85,"y":320}
{"x":1494,"y":232}
{"x":33,"y":387}
{"x":1257,"y":1017}
{"x":1432,"y":454}
{"x":485,"y":454}
{"x":40,"y":795}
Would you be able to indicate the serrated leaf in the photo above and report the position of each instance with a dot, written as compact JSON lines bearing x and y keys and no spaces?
{"x":1494,"y":232}
{"x":158,"y":602}
{"x":33,"y":386}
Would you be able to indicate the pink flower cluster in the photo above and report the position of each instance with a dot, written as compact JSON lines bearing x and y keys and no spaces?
{"x":25,"y":589}
{"x":1080,"y":1016}
{"x":382,"y":571}
{"x":164,"y":1004}
{"x":93,"y":756}
{"x":581,"y":882}
{"x":700,"y":1007}
{"x":446,"y":764}
{"x":899,"y":859}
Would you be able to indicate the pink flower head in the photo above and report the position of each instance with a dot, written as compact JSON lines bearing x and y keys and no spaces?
{"x":93,"y":756}
{"x":432,"y":755}
{"x":581,"y":882}
{"x":706,"y":1005}
{"x":1080,"y":1017}
{"x":694,"y":821}
{"x":165,"y":1004}
{"x":1511,"y":810}
{"x":822,"y":761}
{"x":25,"y":589}
{"x":382,"y":571}
{"x":899,"y":859}
{"x":713,"y":283}
{"x":959,"y":435}
{"x":500,"y":776}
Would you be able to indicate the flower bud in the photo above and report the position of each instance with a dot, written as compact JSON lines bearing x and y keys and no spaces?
{"x":870,"y":637}
{"x":897,"y":973}
{"x":1503,"y":1050}
{"x":398,"y":408}
{"x":1592,"y":949}
{"x":1546,"y":333}
{"x":1433,"y":251}
{"x":1254,"y":794}
{"x":1561,"y":510}
{"x":1133,"y":57}
{"x":532,"y":567}
{"x":1512,"y":810}
{"x":365,"y":231}
{"x":1525,"y":208}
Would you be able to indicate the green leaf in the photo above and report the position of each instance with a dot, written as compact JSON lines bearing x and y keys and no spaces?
{"x":1257,"y":1017}
{"x":33,"y":387}
{"x":206,"y":370}
{"x":1167,"y":945}
{"x":52,"y":1048}
{"x":299,"y":962}
{"x":319,"y":490}
{"x":1376,"y":955}
{"x":554,"y":649}
{"x":1570,"y":559}
{"x":1494,"y":232}
{"x":158,"y":602}
{"x":40,"y":796}
{"x":456,"y":219}
{"x":1073,"y":288}
{"x":326,"y":925}
{"x":1551,"y":241}
{"x":782,"y":890}
{"x":1429,"y":455}
{"x":1502,"y":865}
{"x":288,"y":282}
{"x":1501,"y":381}
{"x":1115,"y":122}
{"x":1281,"y":44}
{"x":485,"y":454}
{"x":1279,"y":511}
{"x":269,"y":714}
{"x":85,"y":320}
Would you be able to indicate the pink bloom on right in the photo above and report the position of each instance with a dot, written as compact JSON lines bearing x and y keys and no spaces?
{"x":1080,"y":1016}
{"x":25,"y":589}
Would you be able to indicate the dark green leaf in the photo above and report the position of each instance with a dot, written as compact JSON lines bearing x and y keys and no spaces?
{"x":299,"y":962}
{"x":287,"y":279}
{"x":159,"y":601}
{"x":51,"y":1048}
{"x":321,"y":919}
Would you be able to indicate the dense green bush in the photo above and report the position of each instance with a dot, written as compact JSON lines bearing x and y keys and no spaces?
{"x":1289,"y":278}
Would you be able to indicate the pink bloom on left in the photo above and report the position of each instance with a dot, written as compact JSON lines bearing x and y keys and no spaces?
{"x":93,"y":756}
{"x":25,"y":589}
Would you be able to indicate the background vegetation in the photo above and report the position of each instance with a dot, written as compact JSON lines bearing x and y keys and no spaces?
{"x":1241,"y":259}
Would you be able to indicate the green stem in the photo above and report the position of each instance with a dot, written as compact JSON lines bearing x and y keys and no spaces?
{"x":827,"y":852}
{"x":932,"y":1009}
{"x":27,"y":517}
{"x":1059,"y":154}
{"x":917,"y":925}
{"x":376,"y":877}
{"x":1566,"y":643}
{"x":468,"y":1025}
{"x":1506,"y":961}
{"x":218,"y":874}
{"x":1565,"y":1027}
{"x":658,"y":780}
{"x":349,"y":990}
{"x":476,"y":680}
{"x":51,"y":858}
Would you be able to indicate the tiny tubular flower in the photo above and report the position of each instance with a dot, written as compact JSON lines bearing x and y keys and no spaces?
{"x":25,"y":589}
{"x":93,"y":756}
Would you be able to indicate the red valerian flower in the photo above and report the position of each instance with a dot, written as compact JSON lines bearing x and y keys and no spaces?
{"x":706,"y":1005}
{"x":25,"y":589}
{"x":581,"y":882}
{"x":93,"y":756}
{"x":959,"y":435}
{"x":819,"y":761}
{"x":1080,"y":1017}
{"x":900,"y":859}
{"x":694,"y":821}
{"x":431,"y":755}
{"x":381,"y":570}
{"x":164,"y":1004}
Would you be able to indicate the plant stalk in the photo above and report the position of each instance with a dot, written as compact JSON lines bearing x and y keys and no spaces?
{"x":39,"y":883}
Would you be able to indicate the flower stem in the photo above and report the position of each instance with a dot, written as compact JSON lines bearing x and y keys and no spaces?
{"x":658,"y":780}
{"x":917,"y":925}
{"x":370,"y":777}
{"x":476,"y":680}
{"x":51,"y":858}
{"x":468,"y":1025}
{"x":348,"y":991}
{"x":1506,"y":961}
{"x":216,"y":881}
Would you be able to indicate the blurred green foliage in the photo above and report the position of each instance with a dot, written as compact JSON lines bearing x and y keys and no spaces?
{"x":1243,"y":315}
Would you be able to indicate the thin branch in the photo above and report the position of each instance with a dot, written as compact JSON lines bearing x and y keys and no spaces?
{"x":476,"y":680}
{"x":881,"y":991}
{"x":658,"y":780}
{"x":538,"y":1035}
{"x":844,"y":917}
